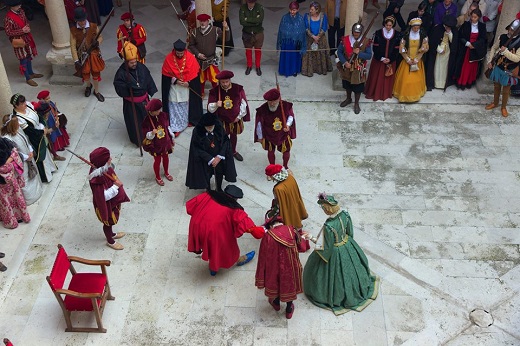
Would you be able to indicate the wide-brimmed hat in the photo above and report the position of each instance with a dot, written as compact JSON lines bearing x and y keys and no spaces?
{"x":208,"y":119}
{"x":323,"y":198}
{"x":233,"y":191}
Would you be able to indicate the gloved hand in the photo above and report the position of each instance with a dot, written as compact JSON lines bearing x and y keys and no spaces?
{"x":485,"y":19}
{"x":95,"y":45}
{"x":77,"y":64}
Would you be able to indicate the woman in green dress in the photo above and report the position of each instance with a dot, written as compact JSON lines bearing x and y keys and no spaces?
{"x":337,"y":276}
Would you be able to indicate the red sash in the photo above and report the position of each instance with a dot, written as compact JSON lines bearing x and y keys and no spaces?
{"x":348,"y":47}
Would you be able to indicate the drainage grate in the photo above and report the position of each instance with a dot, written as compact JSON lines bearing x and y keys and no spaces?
{"x":481,"y":318}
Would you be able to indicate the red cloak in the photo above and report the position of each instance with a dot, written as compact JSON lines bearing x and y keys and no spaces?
{"x":279,"y":270}
{"x":107,"y":211}
{"x":214,"y":229}
{"x":272,"y":127}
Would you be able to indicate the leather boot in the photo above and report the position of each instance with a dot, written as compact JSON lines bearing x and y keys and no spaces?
{"x":88,"y":91}
{"x":357,"y":96}
{"x":348,"y":100}
{"x":496,"y":97}
{"x":505,"y":98}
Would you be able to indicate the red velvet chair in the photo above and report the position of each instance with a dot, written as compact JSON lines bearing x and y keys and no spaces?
{"x":86,"y":291}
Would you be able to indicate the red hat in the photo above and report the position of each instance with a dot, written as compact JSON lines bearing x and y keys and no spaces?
{"x":203,"y":16}
{"x":273,"y":169}
{"x":127,"y":15}
{"x":100,"y":156}
{"x":43,"y":94}
{"x":225,"y":74}
{"x":272,"y":95}
{"x":154,"y":105}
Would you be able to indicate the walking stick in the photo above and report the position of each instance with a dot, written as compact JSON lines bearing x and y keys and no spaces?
{"x":281,"y":102}
{"x":90,"y":164}
{"x":134,"y":112}
{"x":224,"y":33}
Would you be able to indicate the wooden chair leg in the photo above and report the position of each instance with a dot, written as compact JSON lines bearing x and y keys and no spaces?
{"x":66,"y":314}
{"x":97,"y":313}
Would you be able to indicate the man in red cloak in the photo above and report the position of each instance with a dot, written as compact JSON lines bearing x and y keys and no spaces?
{"x":217,"y":220}
{"x":228,"y":100}
{"x":275,"y":128}
{"x":279,"y":270}
{"x":108,"y":194}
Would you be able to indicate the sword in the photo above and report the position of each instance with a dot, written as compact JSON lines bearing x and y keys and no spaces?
{"x":90,"y":164}
{"x":178,"y":14}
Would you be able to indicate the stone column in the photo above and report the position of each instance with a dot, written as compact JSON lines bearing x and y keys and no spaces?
{"x":354,"y":11}
{"x":5,"y":91}
{"x":59,"y":55}
{"x":203,"y":6}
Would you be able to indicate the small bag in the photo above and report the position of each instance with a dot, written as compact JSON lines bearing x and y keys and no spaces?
{"x":18,"y":42}
{"x":32,"y":169}
{"x":414,"y":68}
{"x":314,"y":46}
{"x":63,"y":120}
{"x":389,"y":70}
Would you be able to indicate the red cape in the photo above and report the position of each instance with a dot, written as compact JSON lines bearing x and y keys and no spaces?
{"x":107,"y":211}
{"x":214,"y":230}
{"x":185,"y":68}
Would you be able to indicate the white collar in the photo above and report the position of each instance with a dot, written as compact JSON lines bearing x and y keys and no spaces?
{"x":388,"y":33}
{"x":87,"y":25}
{"x":99,"y":171}
{"x":415,"y":35}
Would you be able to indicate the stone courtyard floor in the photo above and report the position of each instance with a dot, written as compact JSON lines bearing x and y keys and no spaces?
{"x":433,"y":190}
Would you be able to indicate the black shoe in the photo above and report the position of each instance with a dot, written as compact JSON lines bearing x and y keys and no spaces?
{"x":294,"y":74}
{"x":99,"y":97}
{"x":2,"y":255}
{"x":346,"y":102}
{"x":258,"y":71}
{"x":3,"y":268}
{"x":248,"y":70}
{"x":88,"y":91}
{"x":238,"y":156}
{"x":356,"y":109}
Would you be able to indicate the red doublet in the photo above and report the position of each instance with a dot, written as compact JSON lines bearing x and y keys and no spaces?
{"x":231,"y":100}
{"x":272,"y":123}
{"x":279,"y":270}
{"x":159,"y":145}
{"x":107,"y":211}
{"x":214,"y":230}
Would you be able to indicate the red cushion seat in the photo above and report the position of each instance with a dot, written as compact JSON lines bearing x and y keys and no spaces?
{"x":84,"y":283}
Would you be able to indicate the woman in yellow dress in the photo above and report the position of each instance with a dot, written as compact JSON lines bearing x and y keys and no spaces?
{"x":410,"y":80}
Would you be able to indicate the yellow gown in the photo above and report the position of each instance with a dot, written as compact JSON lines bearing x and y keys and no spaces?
{"x":411,"y":86}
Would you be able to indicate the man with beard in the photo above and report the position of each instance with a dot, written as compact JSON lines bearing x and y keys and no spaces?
{"x":203,"y":44}
{"x":134,"y":77}
{"x":275,"y":127}
{"x":228,"y":101}
{"x":180,"y":85}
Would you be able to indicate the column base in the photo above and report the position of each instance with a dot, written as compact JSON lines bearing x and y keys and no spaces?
{"x":62,"y":67}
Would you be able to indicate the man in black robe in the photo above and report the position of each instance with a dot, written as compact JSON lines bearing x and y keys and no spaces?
{"x":138,"y":79}
{"x":210,"y":153}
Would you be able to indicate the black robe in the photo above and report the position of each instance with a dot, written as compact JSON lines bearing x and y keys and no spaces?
{"x":436,"y":37}
{"x":477,"y":54}
{"x":199,"y":172}
{"x":141,"y":82}
{"x":194,"y":100}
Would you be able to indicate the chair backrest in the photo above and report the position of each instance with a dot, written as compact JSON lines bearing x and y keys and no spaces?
{"x":59,"y":269}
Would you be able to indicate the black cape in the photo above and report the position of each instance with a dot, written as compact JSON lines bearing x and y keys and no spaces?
{"x":436,"y":37}
{"x":477,"y":54}
{"x":122,"y":84}
{"x":199,"y":172}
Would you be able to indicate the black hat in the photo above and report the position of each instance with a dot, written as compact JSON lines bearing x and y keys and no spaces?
{"x":179,"y":45}
{"x":208,"y":119}
{"x":79,"y":14}
{"x":233,"y":191}
{"x":450,"y":21}
{"x":12,"y":3}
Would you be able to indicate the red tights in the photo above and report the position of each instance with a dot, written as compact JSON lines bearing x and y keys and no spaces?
{"x":157,"y":164}
{"x":249,"y":57}
{"x":285,"y":157}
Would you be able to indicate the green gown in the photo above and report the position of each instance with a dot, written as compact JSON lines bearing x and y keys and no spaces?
{"x":338,"y":277}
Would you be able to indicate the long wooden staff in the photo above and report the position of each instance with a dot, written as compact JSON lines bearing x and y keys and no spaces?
{"x":224,"y":33}
{"x":134,"y":112}
{"x":90,"y":164}
{"x":281,"y":102}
